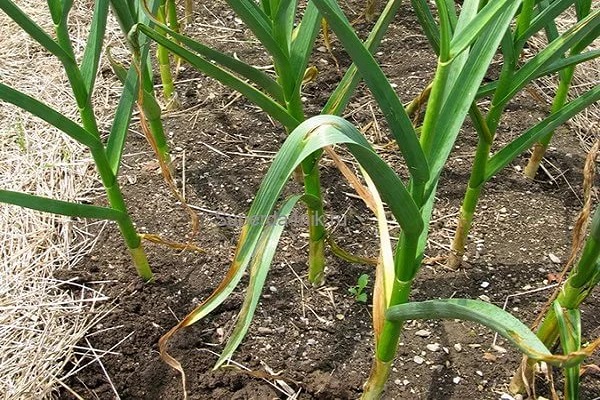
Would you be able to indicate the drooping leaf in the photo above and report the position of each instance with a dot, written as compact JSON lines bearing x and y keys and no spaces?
{"x":313,"y":134}
{"x":477,"y":311}
{"x":259,"y":267}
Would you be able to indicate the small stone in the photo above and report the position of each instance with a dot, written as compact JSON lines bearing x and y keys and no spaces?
{"x":405,"y":382}
{"x":499,"y":349}
{"x":456,"y":380}
{"x":339,"y":316}
{"x":423,"y":333}
{"x":398,"y":382}
{"x":506,"y":396}
{"x":273,"y":289}
{"x":262,"y":329}
{"x":484,"y":284}
{"x":485,"y":298}
{"x":503,"y":210}
{"x":553,"y":258}
{"x":433,"y":347}
{"x":458,"y":347}
{"x":418,"y":360}
{"x":311,"y":342}
{"x":479,"y":373}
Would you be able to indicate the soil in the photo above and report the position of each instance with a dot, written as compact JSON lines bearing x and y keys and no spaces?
{"x":318,"y":341}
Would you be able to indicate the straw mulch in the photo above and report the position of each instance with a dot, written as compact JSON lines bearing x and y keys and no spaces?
{"x":42,"y":319}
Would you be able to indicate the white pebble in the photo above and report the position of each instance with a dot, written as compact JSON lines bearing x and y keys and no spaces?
{"x":418,"y":360}
{"x":458,"y":347}
{"x":456,"y":379}
{"x":553,"y":258}
{"x":423,"y":333}
{"x":433,"y":347}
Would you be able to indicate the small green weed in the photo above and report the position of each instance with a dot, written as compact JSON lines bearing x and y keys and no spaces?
{"x":358,"y":291}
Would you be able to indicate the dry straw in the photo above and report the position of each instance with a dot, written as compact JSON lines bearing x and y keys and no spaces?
{"x":41,"y":320}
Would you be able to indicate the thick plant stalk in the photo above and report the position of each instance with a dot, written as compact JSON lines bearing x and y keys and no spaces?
{"x":386,"y":346}
{"x":316,"y":229}
{"x":540,"y":147}
{"x":152,"y":113}
{"x":317,"y":234}
{"x":406,"y":257}
{"x":128,"y":231}
{"x":375,"y":385}
{"x":469,"y":204}
{"x":109,"y":180}
{"x":188,"y":11}
{"x":406,"y":266}
{"x":171,"y":18}
{"x":164,"y":63}
{"x":566,"y":76}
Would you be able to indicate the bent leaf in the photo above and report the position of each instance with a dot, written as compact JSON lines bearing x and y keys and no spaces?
{"x":34,"y":30}
{"x":478,"y":311}
{"x":308,"y":137}
{"x":494,"y":318}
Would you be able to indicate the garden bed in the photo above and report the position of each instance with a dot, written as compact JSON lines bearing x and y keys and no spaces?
{"x":319,"y":340}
